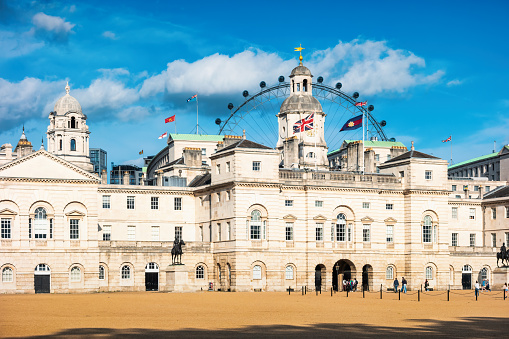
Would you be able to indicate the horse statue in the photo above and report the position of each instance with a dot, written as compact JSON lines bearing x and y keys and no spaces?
{"x":176,"y":251}
{"x":503,"y":255}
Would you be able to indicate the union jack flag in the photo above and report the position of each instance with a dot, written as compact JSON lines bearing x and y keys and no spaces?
{"x":305,"y":124}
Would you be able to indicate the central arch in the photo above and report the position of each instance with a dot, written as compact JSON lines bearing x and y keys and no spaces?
{"x":343,"y":269}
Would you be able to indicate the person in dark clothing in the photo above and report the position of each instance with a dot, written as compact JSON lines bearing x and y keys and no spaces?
{"x":396,"y":285}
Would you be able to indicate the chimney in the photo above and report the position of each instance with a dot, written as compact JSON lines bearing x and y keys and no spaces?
{"x":125,"y":180}
{"x":220,"y":145}
{"x":8,"y":151}
{"x":104,"y":177}
{"x":231,"y":139}
{"x":192,"y":156}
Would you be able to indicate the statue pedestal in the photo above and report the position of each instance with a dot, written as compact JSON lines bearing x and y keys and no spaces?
{"x":176,"y":278}
{"x":500,"y":277}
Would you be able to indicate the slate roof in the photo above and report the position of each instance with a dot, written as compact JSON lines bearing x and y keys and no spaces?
{"x":196,"y":137}
{"x":369,"y":143}
{"x":482,"y":157}
{"x":499,"y":192}
{"x":200,"y":180}
{"x":243,"y":143}
{"x":179,"y":161}
{"x":412,"y":154}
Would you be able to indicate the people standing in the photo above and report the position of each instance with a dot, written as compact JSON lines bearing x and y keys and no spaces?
{"x":488,"y":288}
{"x":476,"y":288}
{"x":426,"y":285}
{"x":506,"y":290}
{"x":355,"y":283}
{"x":396,"y":285}
{"x":403,"y":283}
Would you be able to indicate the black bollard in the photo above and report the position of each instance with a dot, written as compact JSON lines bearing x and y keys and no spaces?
{"x":320,"y":289}
{"x":421,"y":287}
{"x":399,"y":295}
{"x":476,"y":295}
{"x":302,"y":290}
{"x":418,"y":295}
{"x":316,"y":291}
{"x":504,"y":295}
{"x":448,"y":291}
{"x":331,"y":292}
{"x":363,"y":293}
{"x":347,"y":293}
{"x":380,"y":291}
{"x":288,"y":290}
{"x":306,"y":289}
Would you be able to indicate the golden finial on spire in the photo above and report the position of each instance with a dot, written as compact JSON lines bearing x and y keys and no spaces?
{"x":299,"y":49}
{"x":67,"y":88}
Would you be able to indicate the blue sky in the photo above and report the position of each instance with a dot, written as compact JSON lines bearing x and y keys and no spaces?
{"x":431,"y":69}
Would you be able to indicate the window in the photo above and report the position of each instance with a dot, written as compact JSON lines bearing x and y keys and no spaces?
{"x":458,"y":197}
{"x":472,"y":239}
{"x":289,"y":273}
{"x":288,"y":203}
{"x":493,"y":212}
{"x":257,"y":272}
{"x":126,"y":272}
{"x":389,"y":273}
{"x":389,"y":206}
{"x":203,"y":151}
{"x":60,"y":144}
{"x":178,"y":233}
{"x":7,"y":275}
{"x":484,"y":274}
{"x":487,"y":189}
{"x":228,"y":195}
{"x":507,"y":238}
{"x":390,"y":233}
{"x":366,"y":237}
{"x":365,"y":205}
{"x":388,"y":157}
{"x":219,"y":231}
{"x":130,"y":203}
{"x":255,"y":225}
{"x":377,"y":157}
{"x":429,"y":273}
{"x":454,"y":214}
{"x":228,"y":167}
{"x":131,"y":233}
{"x":155,"y":233}
{"x":201,"y":233}
{"x":319,"y":232}
{"x":218,"y":197}
{"x":75,"y":274}
{"x":493,"y":239}
{"x":228,"y":230}
{"x":454,"y":188}
{"x":257,"y":166}
{"x":177,"y":204}
{"x":40,"y":224}
{"x":74,"y":229}
{"x":106,"y":201}
{"x":200,"y":272}
{"x":289,"y":231}
{"x":73,"y":145}
{"x":318,"y":203}
{"x":402,"y":174}
{"x":101,"y":272}
{"x":427,"y":175}
{"x":454,"y":239}
{"x":426,"y":229}
{"x":310,"y":155}
{"x":106,"y":233}
{"x":154,"y":203}
{"x":350,"y":232}
{"x":6,"y":228}
{"x":472,"y":213}
{"x":341,"y":227}
{"x":507,"y":211}
{"x":476,"y":188}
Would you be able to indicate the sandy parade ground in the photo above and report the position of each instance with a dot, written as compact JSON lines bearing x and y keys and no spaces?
{"x":223,"y":314}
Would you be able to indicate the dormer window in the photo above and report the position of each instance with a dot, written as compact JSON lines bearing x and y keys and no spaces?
{"x":73,"y":122}
{"x":305,"y":85}
{"x":298,"y":87}
{"x":73,"y":145}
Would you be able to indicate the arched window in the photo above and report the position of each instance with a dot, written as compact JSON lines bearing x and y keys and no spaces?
{"x":257,"y":272}
{"x":126,"y":272}
{"x":484,"y":274}
{"x":426,"y":229}
{"x":200,"y":272}
{"x":60,"y":144}
{"x":429,"y":273}
{"x":289,"y":272}
{"x":73,"y":122}
{"x":255,"y":225}
{"x":42,"y":269}
{"x":466,"y":269}
{"x":305,"y":85}
{"x":75,"y":274}
{"x":101,"y":272}
{"x":73,"y":145}
{"x":311,"y":155}
{"x":341,"y":227}
{"x":389,"y":273}
{"x":7,"y":275}
{"x":40,"y":223}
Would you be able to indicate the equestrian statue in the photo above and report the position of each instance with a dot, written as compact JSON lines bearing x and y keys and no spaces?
{"x":176,"y":251}
{"x":503,"y":255}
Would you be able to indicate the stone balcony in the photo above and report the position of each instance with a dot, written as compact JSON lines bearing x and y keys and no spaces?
{"x":335,"y":178}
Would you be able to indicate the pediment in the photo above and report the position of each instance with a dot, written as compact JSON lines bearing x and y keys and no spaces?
{"x":290,"y":217}
{"x":390,"y":220}
{"x":75,"y":213}
{"x":320,"y":217}
{"x":367,"y":219}
{"x":7,"y":213}
{"x":44,"y":165}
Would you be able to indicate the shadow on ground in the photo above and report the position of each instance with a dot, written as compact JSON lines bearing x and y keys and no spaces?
{"x":467,"y":327}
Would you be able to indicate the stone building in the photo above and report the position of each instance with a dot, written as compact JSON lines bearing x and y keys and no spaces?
{"x":493,"y":166}
{"x":252,"y":217}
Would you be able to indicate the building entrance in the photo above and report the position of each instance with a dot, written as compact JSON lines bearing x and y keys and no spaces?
{"x":42,"y":279}
{"x":152,"y":277}
{"x":367,"y":277}
{"x":343,"y":270}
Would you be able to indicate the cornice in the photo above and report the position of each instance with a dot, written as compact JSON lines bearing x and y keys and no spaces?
{"x":51,"y":180}
{"x":143,"y":191}
{"x":466,"y":203}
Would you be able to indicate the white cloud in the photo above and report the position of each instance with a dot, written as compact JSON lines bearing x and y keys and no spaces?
{"x":113,"y":72}
{"x":72,"y":9}
{"x":109,"y":35}
{"x":454,"y":82}
{"x":106,"y":93}
{"x":51,"y":27}
{"x":133,"y":113}
{"x":14,"y":44}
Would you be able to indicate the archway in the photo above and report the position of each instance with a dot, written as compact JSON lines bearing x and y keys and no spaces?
{"x":152,"y":277}
{"x":466,"y":277}
{"x":367,"y":277}
{"x":319,"y":276}
{"x":42,"y":279}
{"x":342,"y":270}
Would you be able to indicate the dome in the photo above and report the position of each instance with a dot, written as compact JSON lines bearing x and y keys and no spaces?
{"x":301,"y":103}
{"x":67,"y":103}
{"x":301,"y":70}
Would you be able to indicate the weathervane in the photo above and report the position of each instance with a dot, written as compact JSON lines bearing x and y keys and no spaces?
{"x":299,"y":49}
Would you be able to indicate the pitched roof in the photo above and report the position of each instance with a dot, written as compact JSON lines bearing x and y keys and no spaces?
{"x":499,"y":192}
{"x":196,"y":137}
{"x":200,"y":180}
{"x":412,"y":154}
{"x":370,"y":143}
{"x":243,"y":143}
{"x":483,"y":157}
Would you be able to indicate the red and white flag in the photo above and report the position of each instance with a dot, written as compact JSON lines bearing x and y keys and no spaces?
{"x":164,"y":135}
{"x":360,"y":103}
{"x":448,"y":139}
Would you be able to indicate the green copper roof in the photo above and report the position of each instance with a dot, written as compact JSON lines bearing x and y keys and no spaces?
{"x":197,"y":137}
{"x":369,"y":143}
{"x":488,"y":156}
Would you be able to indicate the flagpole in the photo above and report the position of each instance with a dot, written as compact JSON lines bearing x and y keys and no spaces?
{"x":363,"y":122}
{"x":451,"y":149}
{"x":314,"y":128}
{"x":196,"y":113}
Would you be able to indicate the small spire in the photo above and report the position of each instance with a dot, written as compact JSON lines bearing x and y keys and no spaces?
{"x":412,"y":148}
{"x":42,"y":143}
{"x":299,"y":49}
{"x":23,"y":136}
{"x":67,"y":88}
